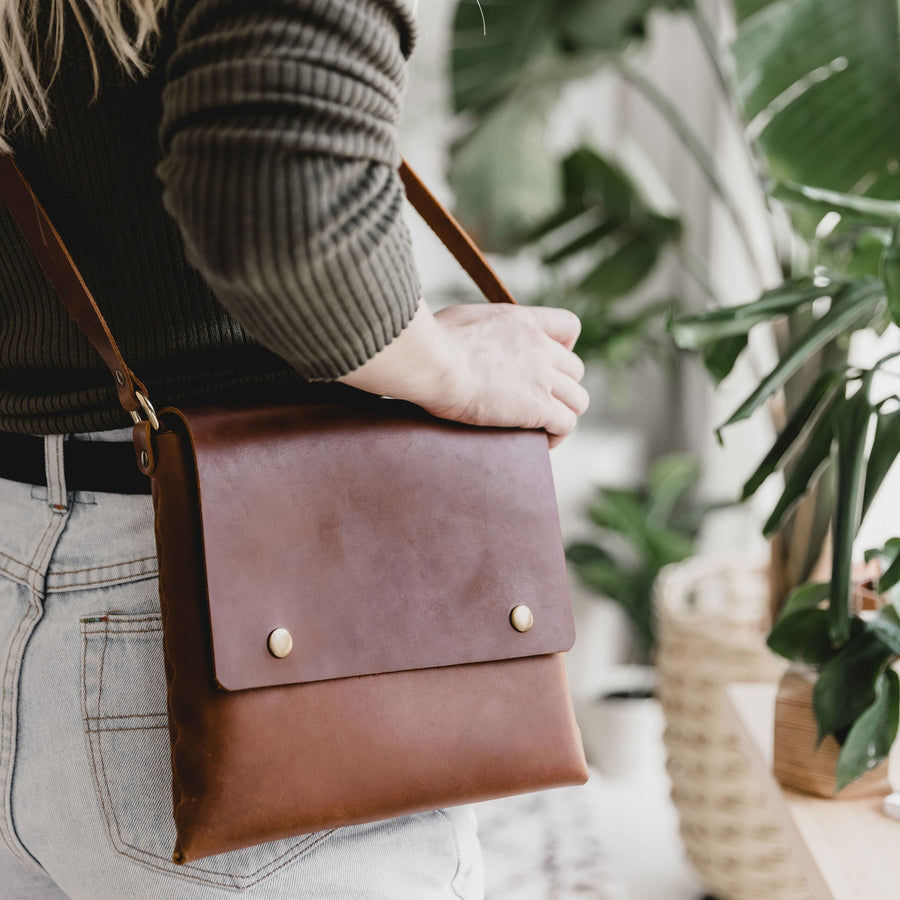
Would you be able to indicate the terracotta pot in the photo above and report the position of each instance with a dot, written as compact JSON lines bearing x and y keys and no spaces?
{"x":798,"y":764}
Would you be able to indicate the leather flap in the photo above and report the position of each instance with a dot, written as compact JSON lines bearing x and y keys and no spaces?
{"x":381,"y":538}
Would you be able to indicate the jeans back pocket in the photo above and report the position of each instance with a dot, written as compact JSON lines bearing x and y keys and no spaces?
{"x":124,"y":709}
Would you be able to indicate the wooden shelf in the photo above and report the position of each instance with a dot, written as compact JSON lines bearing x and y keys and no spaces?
{"x":848,"y":848}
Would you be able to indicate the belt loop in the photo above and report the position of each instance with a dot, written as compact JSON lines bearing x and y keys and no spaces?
{"x":55,"y":471}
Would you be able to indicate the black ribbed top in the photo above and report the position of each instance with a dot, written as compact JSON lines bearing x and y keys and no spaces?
{"x":236,"y":213}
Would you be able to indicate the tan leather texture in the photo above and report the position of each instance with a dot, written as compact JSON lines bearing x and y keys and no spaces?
{"x":256,"y":765}
{"x":381,"y":538}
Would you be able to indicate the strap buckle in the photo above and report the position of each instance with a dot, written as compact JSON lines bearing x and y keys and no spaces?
{"x":148,"y":409}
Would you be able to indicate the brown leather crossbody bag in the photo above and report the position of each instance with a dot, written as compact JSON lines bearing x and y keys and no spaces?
{"x":364,"y":608}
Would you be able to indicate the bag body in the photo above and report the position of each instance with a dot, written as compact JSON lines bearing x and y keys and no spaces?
{"x":429,"y":696}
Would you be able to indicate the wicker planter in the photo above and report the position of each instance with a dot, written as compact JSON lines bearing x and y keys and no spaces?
{"x":711,"y":626}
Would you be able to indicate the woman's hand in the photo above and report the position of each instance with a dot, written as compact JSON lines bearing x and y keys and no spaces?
{"x":485,"y":364}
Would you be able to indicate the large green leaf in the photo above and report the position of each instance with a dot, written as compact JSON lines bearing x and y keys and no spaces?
{"x":852,"y":307}
{"x":622,"y":511}
{"x":857,"y":252}
{"x":890,"y":272}
{"x":851,"y":207}
{"x":584,"y":231}
{"x":869,"y":740}
{"x":719,"y":358}
{"x":806,"y":596}
{"x":743,"y":9}
{"x":815,"y":404}
{"x":608,"y":579}
{"x":493,"y":41}
{"x":805,"y":470}
{"x":702,"y":330}
{"x":622,"y":270}
{"x":821,"y":80}
{"x":671,"y":477}
{"x":668,"y":546}
{"x":845,"y":687}
{"x":802,"y":636}
{"x":593,"y":184}
{"x":499,"y":44}
{"x":589,"y":26}
{"x":885,"y":447}
{"x":501,"y":195}
{"x":886,"y":627}
{"x":601,"y":244}
{"x":890,"y":577}
{"x":616,"y":340}
{"x":585,"y":553}
{"x":852,"y":418}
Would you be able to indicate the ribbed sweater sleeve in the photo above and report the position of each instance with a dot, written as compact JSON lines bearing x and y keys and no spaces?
{"x":278,"y":136}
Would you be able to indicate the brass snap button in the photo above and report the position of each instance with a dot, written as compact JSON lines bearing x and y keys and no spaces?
{"x":280,"y":643}
{"x":521,"y":618}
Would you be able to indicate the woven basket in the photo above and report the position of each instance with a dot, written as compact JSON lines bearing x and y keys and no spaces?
{"x":711,"y":622}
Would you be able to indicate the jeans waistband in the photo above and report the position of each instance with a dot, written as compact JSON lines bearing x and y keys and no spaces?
{"x":53,"y":538}
{"x":84,"y":464}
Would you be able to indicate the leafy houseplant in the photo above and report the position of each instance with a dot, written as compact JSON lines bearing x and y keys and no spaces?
{"x":584,"y":220}
{"x":639,"y":532}
{"x":819,"y":84}
{"x":816,"y":84}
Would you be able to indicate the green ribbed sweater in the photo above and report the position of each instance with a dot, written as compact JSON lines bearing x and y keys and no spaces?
{"x":236,"y":212}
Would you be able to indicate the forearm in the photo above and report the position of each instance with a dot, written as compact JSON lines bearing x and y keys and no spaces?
{"x":279,"y":164}
{"x":418,"y":365}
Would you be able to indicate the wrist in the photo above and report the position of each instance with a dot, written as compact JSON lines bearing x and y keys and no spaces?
{"x":419,"y":365}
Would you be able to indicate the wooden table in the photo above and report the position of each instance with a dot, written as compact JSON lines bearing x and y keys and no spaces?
{"x":849,"y":849}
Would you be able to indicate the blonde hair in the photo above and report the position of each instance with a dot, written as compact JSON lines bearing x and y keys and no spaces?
{"x":28,"y":65}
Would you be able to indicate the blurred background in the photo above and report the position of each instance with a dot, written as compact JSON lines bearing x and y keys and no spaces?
{"x":646,"y":163}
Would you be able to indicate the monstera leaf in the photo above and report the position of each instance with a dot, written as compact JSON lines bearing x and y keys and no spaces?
{"x":509,"y":61}
{"x":499,"y":44}
{"x":503,"y":178}
{"x":819,"y":81}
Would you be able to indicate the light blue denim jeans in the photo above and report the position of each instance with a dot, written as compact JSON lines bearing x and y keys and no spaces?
{"x":84,"y":750}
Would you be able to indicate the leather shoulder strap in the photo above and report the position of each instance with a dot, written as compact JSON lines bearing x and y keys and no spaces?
{"x":63,"y":274}
{"x":454,"y":237}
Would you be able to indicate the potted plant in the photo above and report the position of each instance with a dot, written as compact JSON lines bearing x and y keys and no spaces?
{"x":817,"y":81}
{"x":638,"y":531}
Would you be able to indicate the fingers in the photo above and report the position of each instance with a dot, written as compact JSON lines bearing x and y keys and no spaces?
{"x":561,"y":324}
{"x":572,"y":401}
{"x":567,"y":362}
{"x":561,"y":420}
{"x":571,"y":393}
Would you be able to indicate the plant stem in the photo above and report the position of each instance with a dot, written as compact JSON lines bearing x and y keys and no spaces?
{"x":700,"y":155}
{"x":699,"y":271}
{"x":726,"y":79}
{"x":711,"y":45}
